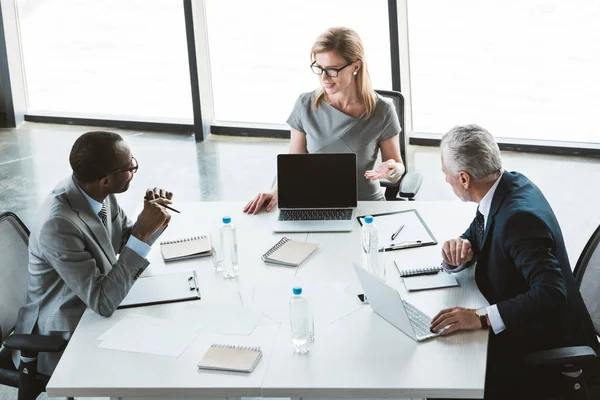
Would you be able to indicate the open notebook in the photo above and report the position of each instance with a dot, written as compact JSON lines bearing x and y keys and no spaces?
{"x":289,"y":252}
{"x":181,"y":249}
{"x":223,"y":357}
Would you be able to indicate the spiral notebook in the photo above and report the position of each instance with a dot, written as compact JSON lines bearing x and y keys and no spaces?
{"x":418,"y":271}
{"x":289,"y":252}
{"x":223,"y":357}
{"x":184,"y":248}
{"x":415,"y":280}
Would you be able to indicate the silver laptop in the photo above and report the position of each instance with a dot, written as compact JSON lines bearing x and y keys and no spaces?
{"x":317,"y":192}
{"x":388,"y":304}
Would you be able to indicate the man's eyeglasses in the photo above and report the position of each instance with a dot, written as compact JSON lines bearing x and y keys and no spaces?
{"x":132,"y":169}
{"x":330,"y":72}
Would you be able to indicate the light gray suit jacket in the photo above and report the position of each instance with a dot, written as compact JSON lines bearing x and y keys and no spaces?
{"x":73,"y":264}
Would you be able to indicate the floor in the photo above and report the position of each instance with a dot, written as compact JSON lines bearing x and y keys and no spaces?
{"x":35,"y":156}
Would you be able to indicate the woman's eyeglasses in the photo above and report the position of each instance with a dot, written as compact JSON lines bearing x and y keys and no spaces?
{"x":330,"y":72}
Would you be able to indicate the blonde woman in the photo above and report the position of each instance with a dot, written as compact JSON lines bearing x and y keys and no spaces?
{"x":344,"y":115}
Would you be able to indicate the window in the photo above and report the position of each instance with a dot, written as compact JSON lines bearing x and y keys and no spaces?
{"x":121,"y":59}
{"x":526,"y":69}
{"x":260,"y":51}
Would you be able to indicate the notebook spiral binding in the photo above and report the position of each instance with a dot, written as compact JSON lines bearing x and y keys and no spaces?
{"x":182,"y":240}
{"x":231,"y":346}
{"x":273,"y":249}
{"x":414,"y":271}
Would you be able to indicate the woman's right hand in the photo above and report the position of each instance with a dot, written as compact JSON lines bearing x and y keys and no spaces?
{"x":254,"y":206}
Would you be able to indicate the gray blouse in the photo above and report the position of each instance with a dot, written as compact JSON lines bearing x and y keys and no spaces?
{"x":329,"y":130}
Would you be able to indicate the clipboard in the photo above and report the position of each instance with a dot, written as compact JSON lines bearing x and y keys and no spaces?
{"x":161,"y":289}
{"x":415,"y":233}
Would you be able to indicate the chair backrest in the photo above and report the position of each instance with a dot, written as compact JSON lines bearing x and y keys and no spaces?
{"x":14,"y":255}
{"x":398,"y":101}
{"x":587,"y":276}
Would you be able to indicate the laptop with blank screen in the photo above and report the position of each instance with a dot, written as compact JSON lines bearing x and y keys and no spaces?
{"x":389,"y":305}
{"x":317,"y":192}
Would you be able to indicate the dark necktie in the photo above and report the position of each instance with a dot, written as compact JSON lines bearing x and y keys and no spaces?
{"x":480,"y":223}
{"x":103,"y":216}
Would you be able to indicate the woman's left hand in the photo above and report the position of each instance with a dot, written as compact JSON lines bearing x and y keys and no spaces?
{"x":383,"y":171}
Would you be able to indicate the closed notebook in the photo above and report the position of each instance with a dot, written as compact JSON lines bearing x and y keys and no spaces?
{"x":414,"y":280}
{"x":289,"y":252}
{"x":181,"y":249}
{"x":222,"y":357}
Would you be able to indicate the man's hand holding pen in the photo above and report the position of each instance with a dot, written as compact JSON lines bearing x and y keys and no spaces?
{"x":154,"y":216}
{"x":157,"y":193}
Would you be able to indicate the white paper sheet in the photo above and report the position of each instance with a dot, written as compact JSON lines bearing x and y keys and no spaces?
{"x":142,"y":334}
{"x":330,"y":301}
{"x":229,"y":320}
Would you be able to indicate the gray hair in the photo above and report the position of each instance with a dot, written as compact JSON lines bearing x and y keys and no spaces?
{"x":472,"y":149}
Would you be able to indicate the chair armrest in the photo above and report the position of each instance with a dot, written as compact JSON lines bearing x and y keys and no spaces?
{"x":35,"y":343}
{"x":410,"y":184}
{"x":561,"y":356}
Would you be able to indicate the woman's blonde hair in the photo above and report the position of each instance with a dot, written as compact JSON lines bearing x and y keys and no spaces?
{"x":347,"y":44}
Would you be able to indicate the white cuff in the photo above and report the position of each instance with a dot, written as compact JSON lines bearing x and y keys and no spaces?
{"x":451,"y":268}
{"x":135,"y":244}
{"x":495,"y":319}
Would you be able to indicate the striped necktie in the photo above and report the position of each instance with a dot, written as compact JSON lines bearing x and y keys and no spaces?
{"x":103,"y":216}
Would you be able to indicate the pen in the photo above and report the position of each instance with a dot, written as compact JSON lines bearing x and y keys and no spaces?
{"x":397,"y":232}
{"x":165,"y":206}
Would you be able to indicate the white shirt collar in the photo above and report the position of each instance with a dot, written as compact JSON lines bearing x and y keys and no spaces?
{"x":96,"y":206}
{"x":486,"y":202}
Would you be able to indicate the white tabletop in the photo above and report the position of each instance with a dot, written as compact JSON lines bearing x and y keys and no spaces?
{"x":359,"y":355}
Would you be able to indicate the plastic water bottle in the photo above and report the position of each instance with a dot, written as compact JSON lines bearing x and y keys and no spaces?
{"x":370,"y":245}
{"x":299,"y":322}
{"x":229,"y":254}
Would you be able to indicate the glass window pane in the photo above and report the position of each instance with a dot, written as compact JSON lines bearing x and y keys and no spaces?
{"x":124,"y":59}
{"x":523,"y":69}
{"x":260,"y":51}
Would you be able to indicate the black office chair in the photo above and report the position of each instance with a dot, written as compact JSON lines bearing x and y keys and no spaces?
{"x":408,"y":186}
{"x":579,"y":366}
{"x":14,"y":238}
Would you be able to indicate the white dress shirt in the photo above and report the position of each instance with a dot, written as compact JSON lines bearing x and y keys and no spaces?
{"x":484,"y":208}
{"x":485,"y":204}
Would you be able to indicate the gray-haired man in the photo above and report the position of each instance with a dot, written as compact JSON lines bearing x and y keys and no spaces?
{"x":522,"y":266}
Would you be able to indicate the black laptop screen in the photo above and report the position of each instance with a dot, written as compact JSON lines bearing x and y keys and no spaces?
{"x":316,"y":180}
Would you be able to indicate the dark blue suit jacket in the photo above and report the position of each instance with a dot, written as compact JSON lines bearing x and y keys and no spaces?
{"x":523,"y":268}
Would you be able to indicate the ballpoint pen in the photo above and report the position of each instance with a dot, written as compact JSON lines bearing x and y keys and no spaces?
{"x":165,"y":206}
{"x":397,"y":232}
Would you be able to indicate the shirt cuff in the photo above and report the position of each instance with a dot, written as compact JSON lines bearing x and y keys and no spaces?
{"x":135,"y":244}
{"x":495,"y":319}
{"x":451,"y":268}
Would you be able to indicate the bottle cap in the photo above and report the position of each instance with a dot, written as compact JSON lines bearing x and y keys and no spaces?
{"x":226,"y":220}
{"x":297,"y":290}
{"x":368,"y":219}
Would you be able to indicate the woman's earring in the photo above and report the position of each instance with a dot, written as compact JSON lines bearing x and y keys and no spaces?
{"x":355,"y":72}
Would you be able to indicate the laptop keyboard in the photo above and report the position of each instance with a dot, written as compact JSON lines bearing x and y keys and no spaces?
{"x":316,"y":215}
{"x":420,"y":322}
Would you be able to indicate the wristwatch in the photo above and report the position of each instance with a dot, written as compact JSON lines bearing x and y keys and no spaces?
{"x":482,"y":314}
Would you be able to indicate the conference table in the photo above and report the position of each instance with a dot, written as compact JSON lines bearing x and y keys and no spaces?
{"x":355,"y":354}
